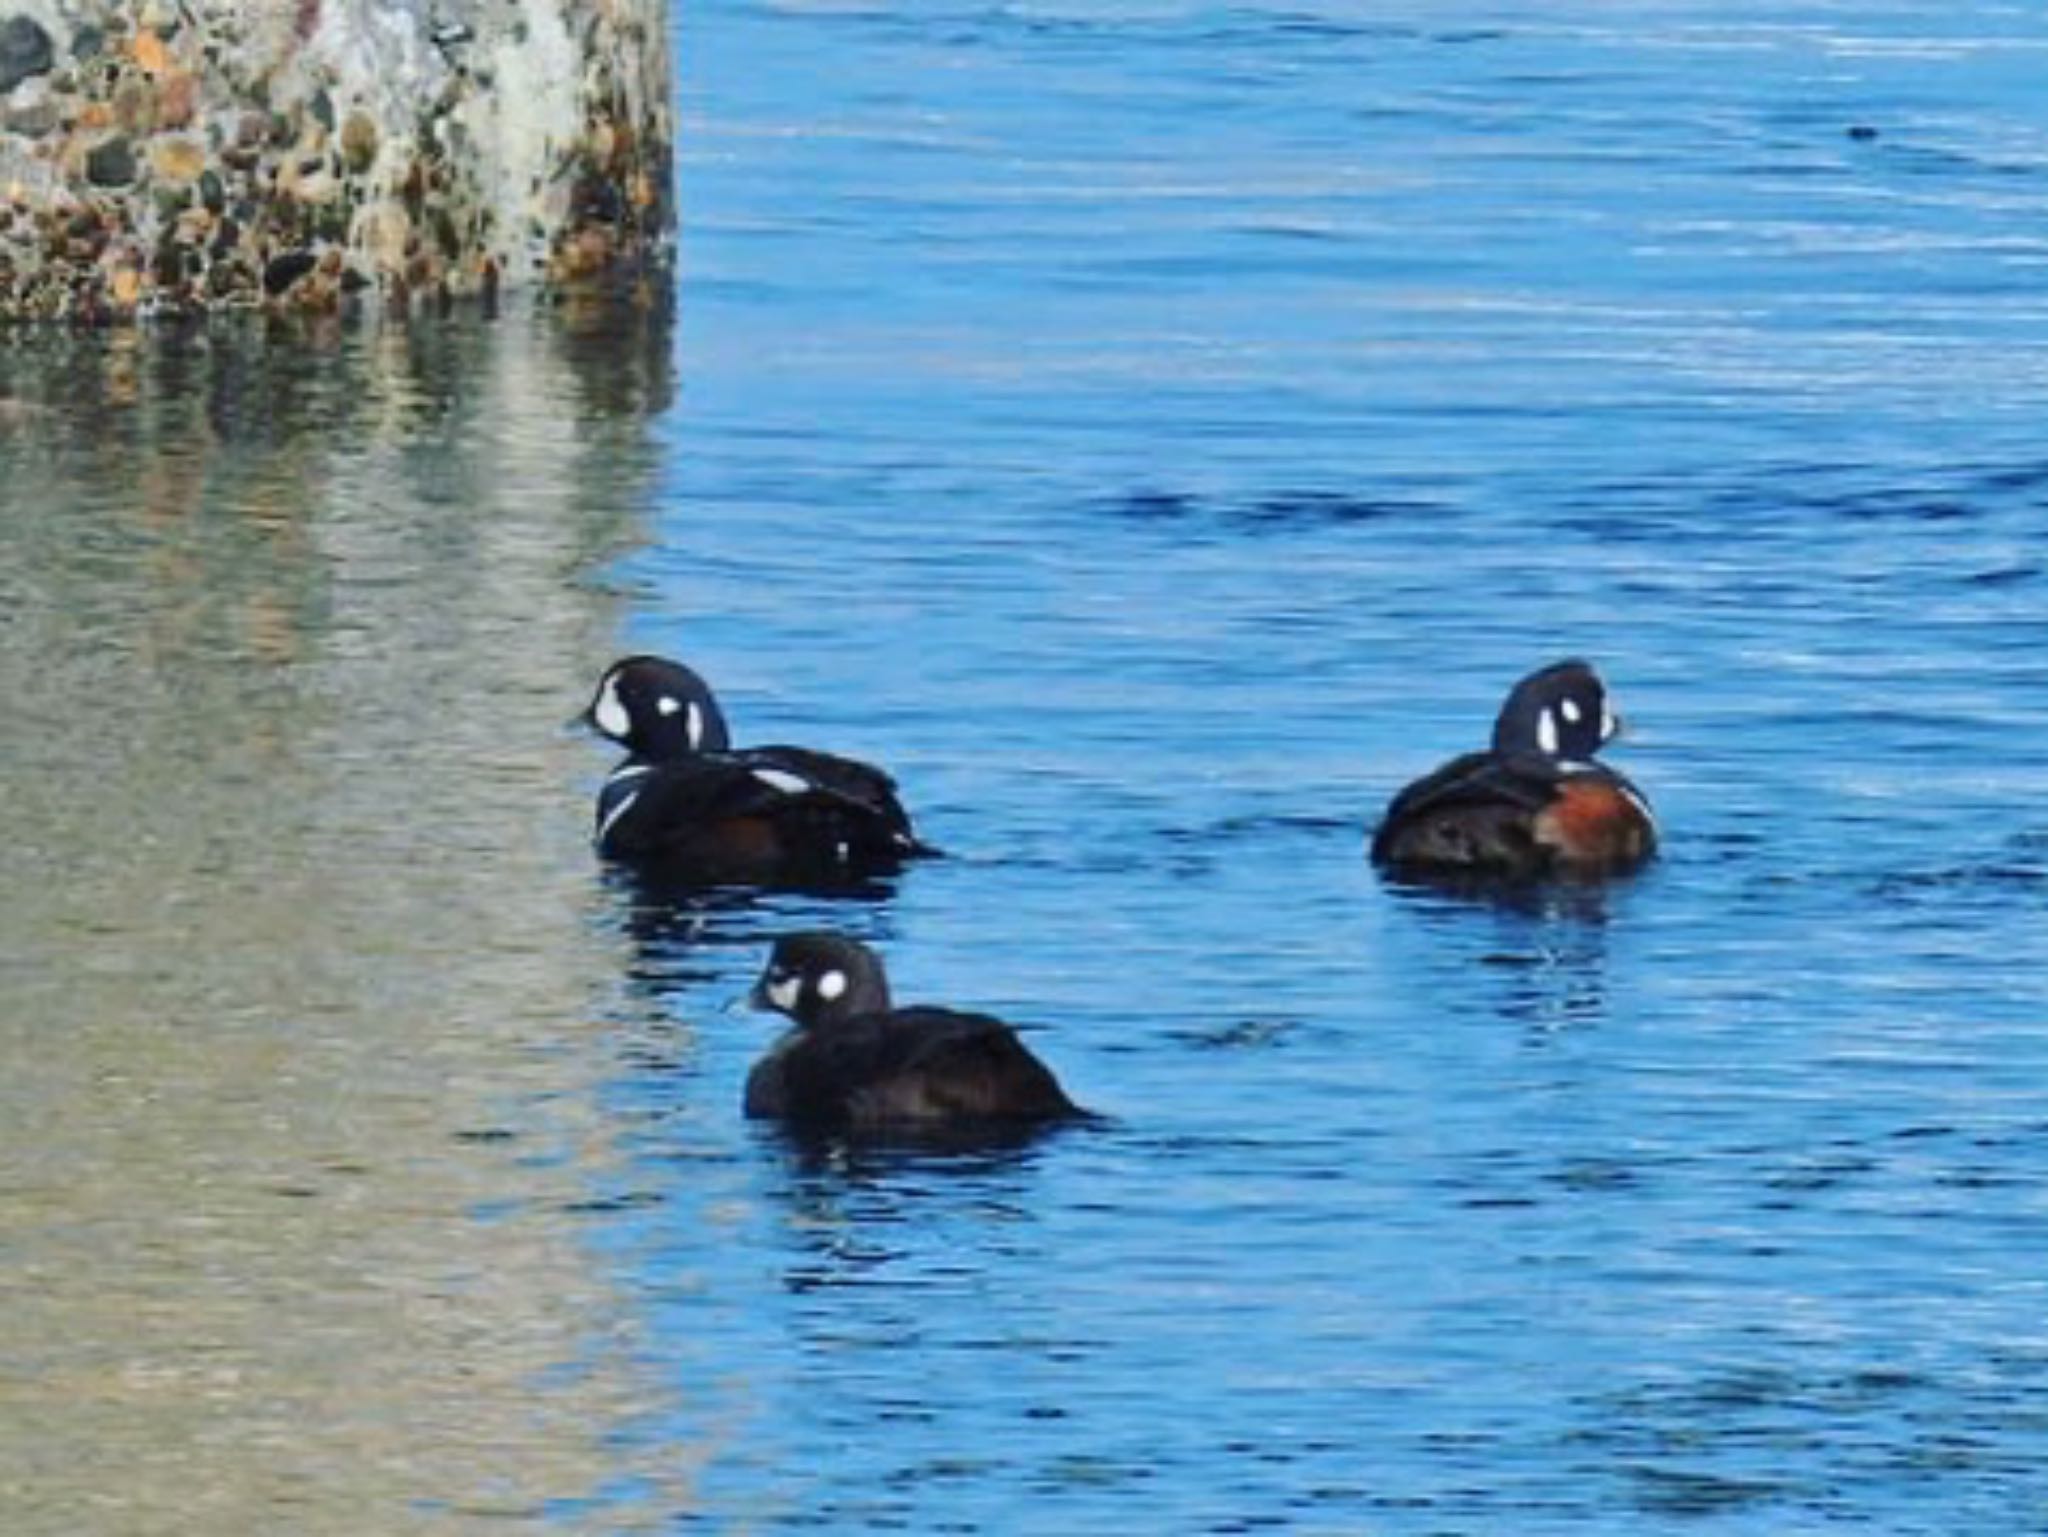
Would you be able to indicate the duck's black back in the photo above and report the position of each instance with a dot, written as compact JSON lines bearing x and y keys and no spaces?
{"x":763,"y":812}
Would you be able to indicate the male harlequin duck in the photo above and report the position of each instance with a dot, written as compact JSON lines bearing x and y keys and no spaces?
{"x":688,"y":801}
{"x":1535,"y":804}
{"x":854,"y":1063}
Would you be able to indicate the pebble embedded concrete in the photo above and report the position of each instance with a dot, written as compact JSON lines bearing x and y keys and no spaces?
{"x":176,"y":157}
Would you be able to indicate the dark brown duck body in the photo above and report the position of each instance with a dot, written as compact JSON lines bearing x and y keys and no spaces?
{"x":853,"y":1063}
{"x":1532,"y":806}
{"x":766,"y":814}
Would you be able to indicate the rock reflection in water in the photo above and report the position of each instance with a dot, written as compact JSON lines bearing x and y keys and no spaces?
{"x":293,"y":915}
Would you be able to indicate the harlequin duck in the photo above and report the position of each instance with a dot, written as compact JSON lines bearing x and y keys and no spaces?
{"x":855,"y":1063}
{"x":689,"y":802}
{"x":1535,"y":804}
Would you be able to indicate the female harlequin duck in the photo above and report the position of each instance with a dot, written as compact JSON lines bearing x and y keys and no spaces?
{"x":687,"y":800}
{"x":1535,"y":804}
{"x":854,"y":1063}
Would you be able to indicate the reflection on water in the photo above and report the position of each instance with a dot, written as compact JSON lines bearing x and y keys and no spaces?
{"x":683,"y":933}
{"x":293,"y":945}
{"x":1548,"y":964}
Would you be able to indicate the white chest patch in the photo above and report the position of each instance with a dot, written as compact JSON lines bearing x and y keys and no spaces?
{"x":783,"y":781}
{"x":784,"y":993}
{"x":611,"y":817}
{"x":609,"y":714}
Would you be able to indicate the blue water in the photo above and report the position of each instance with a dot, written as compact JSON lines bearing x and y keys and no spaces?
{"x":1155,"y":432}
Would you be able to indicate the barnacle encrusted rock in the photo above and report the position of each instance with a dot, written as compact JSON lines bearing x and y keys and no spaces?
{"x":177,"y":156}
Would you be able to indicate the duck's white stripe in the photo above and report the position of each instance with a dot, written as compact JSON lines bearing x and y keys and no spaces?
{"x":626,"y":771}
{"x":611,"y":817}
{"x":779,"y":779}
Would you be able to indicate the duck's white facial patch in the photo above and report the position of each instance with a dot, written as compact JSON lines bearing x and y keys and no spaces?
{"x":831,"y":985}
{"x":1546,"y":733}
{"x":668,"y":704}
{"x":785,"y":782}
{"x":1572,"y":712}
{"x":612,"y":816}
{"x":695,"y":726}
{"x":783,"y":992}
{"x":609,"y":714}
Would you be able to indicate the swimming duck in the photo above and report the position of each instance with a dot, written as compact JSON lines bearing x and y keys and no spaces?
{"x":688,"y":801}
{"x":1535,"y":803}
{"x":854,"y":1062}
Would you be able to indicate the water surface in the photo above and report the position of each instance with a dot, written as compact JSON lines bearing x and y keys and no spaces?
{"x":1155,"y":432}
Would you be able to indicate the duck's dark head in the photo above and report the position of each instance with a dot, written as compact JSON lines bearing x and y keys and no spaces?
{"x":656,"y":708}
{"x":820,"y":979}
{"x":1559,"y":712}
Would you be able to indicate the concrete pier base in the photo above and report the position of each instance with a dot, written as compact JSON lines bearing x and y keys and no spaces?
{"x":170,"y":157}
